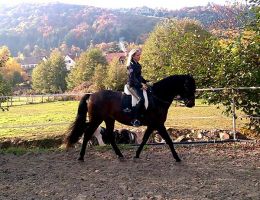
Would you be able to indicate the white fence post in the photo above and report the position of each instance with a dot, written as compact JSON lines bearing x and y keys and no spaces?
{"x":234,"y":114}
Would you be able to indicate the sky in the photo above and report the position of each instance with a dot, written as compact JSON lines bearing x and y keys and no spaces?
{"x":169,"y":4}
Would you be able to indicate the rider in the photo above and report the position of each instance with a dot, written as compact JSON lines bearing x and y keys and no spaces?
{"x":136,"y":83}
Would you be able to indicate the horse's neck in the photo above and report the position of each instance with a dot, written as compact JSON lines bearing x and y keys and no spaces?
{"x":168,"y":89}
{"x":165,"y":95}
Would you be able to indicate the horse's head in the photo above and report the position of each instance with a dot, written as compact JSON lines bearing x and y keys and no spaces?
{"x":188,"y":91}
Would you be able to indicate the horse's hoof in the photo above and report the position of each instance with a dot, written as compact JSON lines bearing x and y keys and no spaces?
{"x":121,"y":158}
{"x":81,"y":159}
{"x":136,"y":157}
{"x":178,"y":160}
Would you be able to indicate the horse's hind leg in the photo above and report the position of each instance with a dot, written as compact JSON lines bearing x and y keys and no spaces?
{"x":110,"y":123}
{"x":88,"y":132}
{"x":146,"y":136}
{"x":162,"y":131}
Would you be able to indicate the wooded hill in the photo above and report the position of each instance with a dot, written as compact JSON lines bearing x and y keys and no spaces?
{"x":50,"y":25}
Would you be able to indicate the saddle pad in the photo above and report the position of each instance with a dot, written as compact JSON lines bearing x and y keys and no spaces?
{"x":134,"y":99}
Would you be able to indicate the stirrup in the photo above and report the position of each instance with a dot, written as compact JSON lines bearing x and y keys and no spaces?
{"x":136,"y":123}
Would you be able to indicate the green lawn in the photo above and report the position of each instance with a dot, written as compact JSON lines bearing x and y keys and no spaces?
{"x":35,"y":121}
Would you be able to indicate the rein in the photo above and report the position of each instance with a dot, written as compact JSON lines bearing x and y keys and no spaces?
{"x":162,"y":101}
{"x":156,"y":97}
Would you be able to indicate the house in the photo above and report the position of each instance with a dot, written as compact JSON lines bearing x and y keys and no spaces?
{"x":29,"y":63}
{"x":121,"y":56}
{"x":70,"y":61}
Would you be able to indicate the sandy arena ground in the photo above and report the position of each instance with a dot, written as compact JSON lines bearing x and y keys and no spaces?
{"x":213,"y":171}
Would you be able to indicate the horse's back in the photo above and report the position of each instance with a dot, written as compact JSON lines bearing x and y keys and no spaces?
{"x":107,"y":95}
{"x":108,"y":104}
{"x":106,"y":100}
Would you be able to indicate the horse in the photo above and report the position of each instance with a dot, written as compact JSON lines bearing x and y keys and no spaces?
{"x":106,"y":105}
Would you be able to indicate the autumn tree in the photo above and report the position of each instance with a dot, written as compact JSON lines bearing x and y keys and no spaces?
{"x":4,"y":55}
{"x":85,"y":67}
{"x":178,"y":47}
{"x":5,"y":87}
{"x":49,"y":76}
{"x":13,"y":72}
{"x":98,"y":77}
{"x":38,"y":52}
{"x":238,"y":66}
{"x":116,"y":75}
{"x":254,"y":24}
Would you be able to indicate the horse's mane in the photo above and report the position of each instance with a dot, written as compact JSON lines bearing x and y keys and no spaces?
{"x":170,"y":85}
{"x":170,"y":81}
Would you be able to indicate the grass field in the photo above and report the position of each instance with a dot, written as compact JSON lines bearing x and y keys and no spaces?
{"x":35,"y":121}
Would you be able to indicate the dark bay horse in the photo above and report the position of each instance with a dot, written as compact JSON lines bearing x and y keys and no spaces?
{"x":105,"y":105}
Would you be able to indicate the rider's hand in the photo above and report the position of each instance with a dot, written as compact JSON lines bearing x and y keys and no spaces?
{"x":144,"y":86}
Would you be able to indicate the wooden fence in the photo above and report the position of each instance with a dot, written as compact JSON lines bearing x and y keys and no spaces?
{"x":8,"y":101}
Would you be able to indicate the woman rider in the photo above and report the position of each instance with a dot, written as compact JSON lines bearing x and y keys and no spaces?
{"x":136,"y":83}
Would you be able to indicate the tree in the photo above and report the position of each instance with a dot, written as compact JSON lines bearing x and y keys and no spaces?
{"x":49,"y":76}
{"x":85,"y":67}
{"x":37,"y":51}
{"x":13,"y":72}
{"x":40,"y":83}
{"x":238,"y":66}
{"x":98,"y":77}
{"x":10,"y":71}
{"x":116,"y":75}
{"x":254,"y":24}
{"x":58,"y":72}
{"x":5,"y":87}
{"x":178,"y":47}
{"x":4,"y":55}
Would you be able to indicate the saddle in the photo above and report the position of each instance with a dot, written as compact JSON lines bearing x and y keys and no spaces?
{"x":129,"y":100}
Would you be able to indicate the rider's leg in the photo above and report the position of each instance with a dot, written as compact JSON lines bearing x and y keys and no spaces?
{"x":138,"y":93}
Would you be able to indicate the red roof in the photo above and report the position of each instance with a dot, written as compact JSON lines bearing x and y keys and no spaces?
{"x":111,"y":56}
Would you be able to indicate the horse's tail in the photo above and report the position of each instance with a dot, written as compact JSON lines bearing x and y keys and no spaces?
{"x":77,"y":128}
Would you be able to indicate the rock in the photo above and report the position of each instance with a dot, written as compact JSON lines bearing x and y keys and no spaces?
{"x":180,"y":138}
{"x":241,"y":136}
{"x":224,"y":136}
{"x":199,"y":135}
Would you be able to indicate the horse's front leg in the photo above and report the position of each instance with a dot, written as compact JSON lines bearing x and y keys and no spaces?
{"x":146,"y":136}
{"x":164,"y":134}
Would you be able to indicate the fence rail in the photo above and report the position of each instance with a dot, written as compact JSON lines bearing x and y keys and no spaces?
{"x":237,"y":88}
{"x":234,"y":115}
{"x":8,"y":101}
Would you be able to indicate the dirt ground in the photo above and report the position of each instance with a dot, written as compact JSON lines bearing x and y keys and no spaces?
{"x":212,"y":171}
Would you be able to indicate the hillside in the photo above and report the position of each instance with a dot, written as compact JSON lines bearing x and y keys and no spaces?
{"x":49,"y":25}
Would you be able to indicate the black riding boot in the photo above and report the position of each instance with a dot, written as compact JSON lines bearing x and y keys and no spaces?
{"x":137,"y":113}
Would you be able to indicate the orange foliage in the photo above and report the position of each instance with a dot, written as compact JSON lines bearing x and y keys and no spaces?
{"x":105,"y":21}
{"x":11,"y":67}
{"x":81,"y":29}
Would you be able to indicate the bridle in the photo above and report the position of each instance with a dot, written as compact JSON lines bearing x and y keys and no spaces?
{"x":161,"y":100}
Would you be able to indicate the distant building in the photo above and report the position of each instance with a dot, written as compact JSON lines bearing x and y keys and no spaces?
{"x":29,"y":63}
{"x":70,"y":61}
